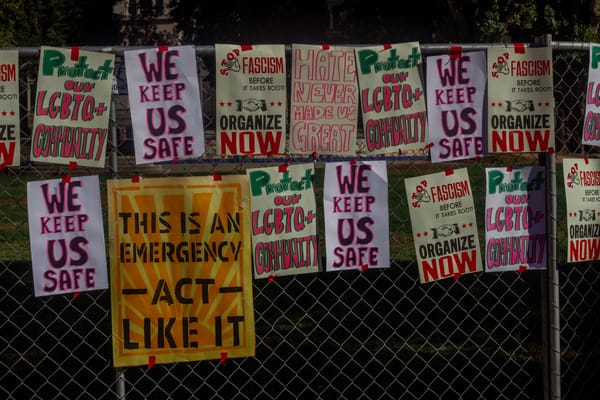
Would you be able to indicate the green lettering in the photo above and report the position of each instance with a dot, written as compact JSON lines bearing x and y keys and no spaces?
{"x":52,"y":59}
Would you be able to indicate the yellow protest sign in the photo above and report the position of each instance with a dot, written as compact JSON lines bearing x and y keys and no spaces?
{"x":180,"y":269}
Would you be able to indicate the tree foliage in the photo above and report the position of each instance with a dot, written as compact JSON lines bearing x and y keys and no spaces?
{"x":357,"y":21}
{"x":57,"y":22}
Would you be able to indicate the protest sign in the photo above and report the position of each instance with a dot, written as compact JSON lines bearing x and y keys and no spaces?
{"x":582,"y":190}
{"x":515,"y":219}
{"x":284,"y":225}
{"x":66,"y":235}
{"x":520,"y":99}
{"x":251,"y":99}
{"x":324,"y":100}
{"x":72,"y":107}
{"x":455,"y":99}
{"x":164,"y":98}
{"x":356,"y":215}
{"x":392,"y":98}
{"x":10,"y":132}
{"x":443,"y":222}
{"x":591,"y":126}
{"x":181,"y":278}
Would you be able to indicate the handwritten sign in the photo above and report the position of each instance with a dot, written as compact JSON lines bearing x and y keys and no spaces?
{"x":444,"y":227}
{"x":66,"y":235}
{"x":582,"y":189}
{"x":591,"y":127}
{"x":324,"y":100}
{"x":10,"y":142}
{"x":356,"y":215}
{"x":284,"y":225}
{"x":515,"y":219}
{"x":520,"y":100}
{"x":251,"y":99}
{"x":392,"y":98}
{"x":455,"y":98}
{"x":72,"y":107}
{"x":164,"y":98}
{"x":181,"y":278}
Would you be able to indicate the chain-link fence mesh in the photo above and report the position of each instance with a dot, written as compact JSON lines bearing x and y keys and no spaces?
{"x":350,"y":335}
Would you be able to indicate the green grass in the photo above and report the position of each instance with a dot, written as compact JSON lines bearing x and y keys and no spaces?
{"x":14,"y":233}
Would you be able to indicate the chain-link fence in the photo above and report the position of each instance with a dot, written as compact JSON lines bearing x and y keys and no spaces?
{"x":377,"y":334}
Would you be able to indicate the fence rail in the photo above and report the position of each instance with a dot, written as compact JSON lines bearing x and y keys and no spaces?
{"x":354,"y":335}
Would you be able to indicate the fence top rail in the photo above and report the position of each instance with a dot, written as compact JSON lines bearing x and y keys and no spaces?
{"x":208,"y":50}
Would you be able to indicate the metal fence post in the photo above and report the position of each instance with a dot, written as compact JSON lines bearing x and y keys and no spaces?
{"x":550,"y":285}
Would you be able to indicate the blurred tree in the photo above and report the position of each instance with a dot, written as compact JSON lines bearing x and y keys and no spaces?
{"x":57,"y":22}
{"x":376,"y":21}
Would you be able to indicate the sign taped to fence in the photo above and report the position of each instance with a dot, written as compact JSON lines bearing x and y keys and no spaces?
{"x":355,"y":202}
{"x":582,"y":190}
{"x":72,"y":107}
{"x":520,"y":99}
{"x":284,"y":224}
{"x":455,"y":99}
{"x":251,"y":99}
{"x":443,"y":223}
{"x":66,"y":235}
{"x":392,"y":98}
{"x":10,"y":132}
{"x":164,"y":97}
{"x":324,"y":100}
{"x":591,"y":126}
{"x":515,"y":219}
{"x":181,"y":275}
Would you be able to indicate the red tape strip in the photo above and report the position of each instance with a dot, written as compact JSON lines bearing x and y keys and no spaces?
{"x":455,"y":52}
{"x":519,"y":48}
{"x":325,"y":46}
{"x":283,"y":167}
{"x":72,"y":165}
{"x":66,"y":179}
{"x":163,"y":48}
{"x":364,"y":267}
{"x":75,"y":53}
{"x":223,"y":359}
{"x":217,"y":177}
{"x":587,"y":161}
{"x":136,"y":179}
{"x":449,"y":171}
{"x":246,"y":47}
{"x":522,"y":268}
{"x":151,"y":361}
{"x":387,"y":46}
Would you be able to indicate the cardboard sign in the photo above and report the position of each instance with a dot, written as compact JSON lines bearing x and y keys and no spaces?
{"x":392,"y":98}
{"x":444,"y":228}
{"x":515,"y":219}
{"x":455,"y":99}
{"x":356,"y":215}
{"x":284,"y":224}
{"x":164,"y":98}
{"x":66,"y":233}
{"x":582,"y":189}
{"x":324,"y":100}
{"x":520,"y":100}
{"x":10,"y":132}
{"x":181,"y":278}
{"x":251,"y":99}
{"x":591,"y":126}
{"x":72,"y":107}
